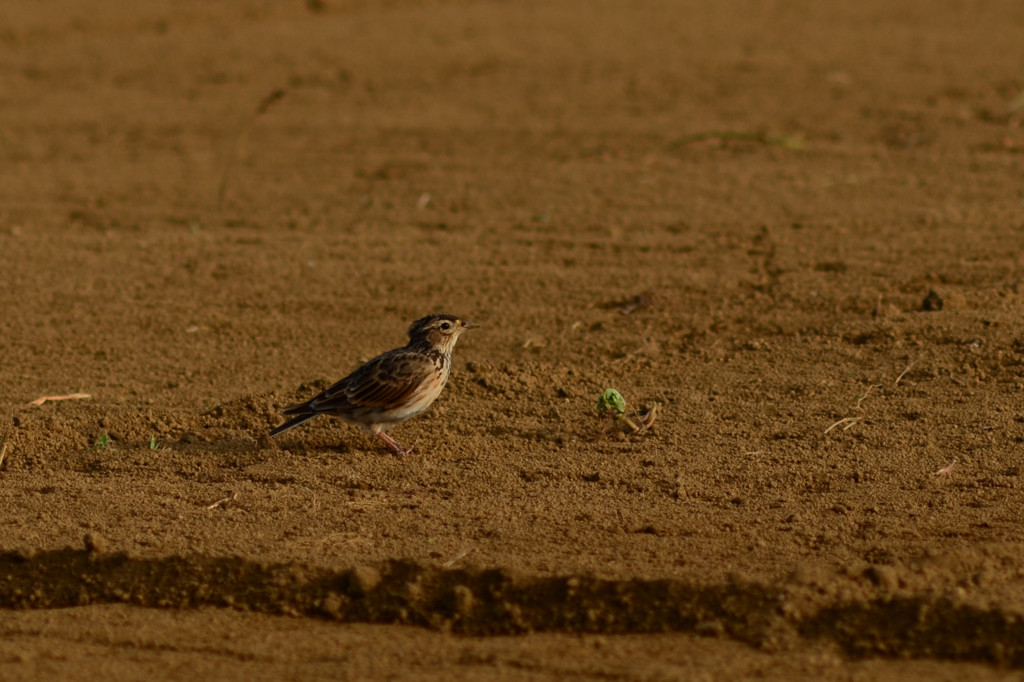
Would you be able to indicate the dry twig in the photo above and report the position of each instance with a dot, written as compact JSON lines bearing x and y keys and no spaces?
{"x":946,"y":469}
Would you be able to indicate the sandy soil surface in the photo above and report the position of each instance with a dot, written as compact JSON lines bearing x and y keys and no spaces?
{"x":796,"y":228}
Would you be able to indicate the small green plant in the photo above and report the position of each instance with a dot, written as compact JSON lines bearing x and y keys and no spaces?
{"x":152,"y":442}
{"x":102,"y":442}
{"x":611,"y":403}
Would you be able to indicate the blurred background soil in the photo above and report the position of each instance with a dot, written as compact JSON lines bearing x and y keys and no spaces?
{"x":796,"y":227}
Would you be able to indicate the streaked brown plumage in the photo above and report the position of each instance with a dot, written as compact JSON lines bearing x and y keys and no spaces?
{"x":392,"y":387}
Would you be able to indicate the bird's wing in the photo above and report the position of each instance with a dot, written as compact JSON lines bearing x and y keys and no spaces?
{"x":384,"y":382}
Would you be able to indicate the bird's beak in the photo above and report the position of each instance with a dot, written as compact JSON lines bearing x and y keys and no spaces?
{"x":469,"y":325}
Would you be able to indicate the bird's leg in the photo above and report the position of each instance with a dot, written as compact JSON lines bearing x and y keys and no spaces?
{"x":393,"y":445}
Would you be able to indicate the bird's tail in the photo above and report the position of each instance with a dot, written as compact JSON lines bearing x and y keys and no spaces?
{"x":292,"y":423}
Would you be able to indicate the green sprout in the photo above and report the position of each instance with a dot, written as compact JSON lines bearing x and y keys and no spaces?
{"x":611,"y":402}
{"x":102,"y":442}
{"x":152,"y":442}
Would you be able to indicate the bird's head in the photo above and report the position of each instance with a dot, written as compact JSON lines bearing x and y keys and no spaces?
{"x":438,"y":332}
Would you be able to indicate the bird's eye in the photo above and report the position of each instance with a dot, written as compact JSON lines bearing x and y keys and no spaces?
{"x":445,"y":326}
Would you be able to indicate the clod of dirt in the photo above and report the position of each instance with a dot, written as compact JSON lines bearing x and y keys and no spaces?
{"x":644,"y":299}
{"x":932,"y":301}
{"x":943,"y":300}
{"x":365,"y":579}
{"x":94,"y":543}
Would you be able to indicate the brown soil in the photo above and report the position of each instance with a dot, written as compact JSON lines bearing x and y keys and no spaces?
{"x":796,"y":227}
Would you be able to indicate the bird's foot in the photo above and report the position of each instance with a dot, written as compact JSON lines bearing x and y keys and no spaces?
{"x":393,"y":445}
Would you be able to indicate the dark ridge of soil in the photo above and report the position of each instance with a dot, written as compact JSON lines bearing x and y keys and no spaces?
{"x":923,"y":611}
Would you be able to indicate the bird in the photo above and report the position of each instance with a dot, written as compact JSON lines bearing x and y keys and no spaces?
{"x":392,"y":387}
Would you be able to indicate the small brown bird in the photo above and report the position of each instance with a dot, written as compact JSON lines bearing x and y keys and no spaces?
{"x":392,"y":387}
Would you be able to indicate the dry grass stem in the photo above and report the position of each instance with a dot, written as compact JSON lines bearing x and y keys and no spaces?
{"x":315,"y":503}
{"x":848,"y":421}
{"x":904,"y":373}
{"x":3,"y":452}
{"x":866,"y":394}
{"x":946,"y":469}
{"x":55,"y":398}
{"x":232,"y":496}
{"x":455,"y":559}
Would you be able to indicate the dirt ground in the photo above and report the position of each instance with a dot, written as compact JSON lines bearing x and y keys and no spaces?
{"x":796,"y":227}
